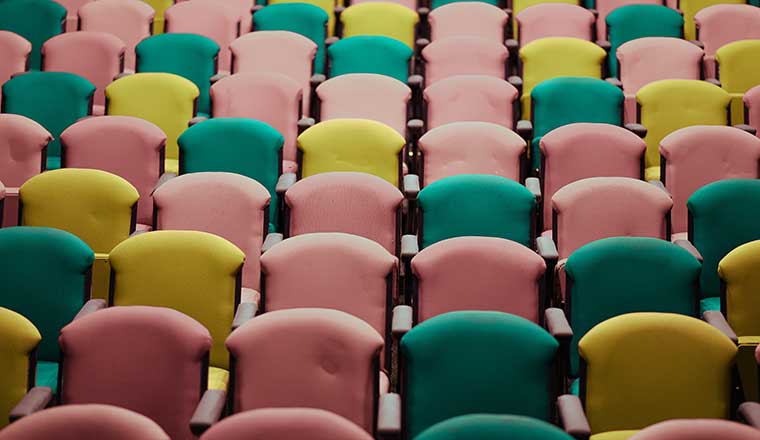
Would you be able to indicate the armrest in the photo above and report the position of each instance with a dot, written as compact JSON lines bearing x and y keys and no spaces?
{"x":604,"y":44}
{"x":401,"y":322}
{"x":557,"y":325}
{"x":284,"y":182}
{"x":218,"y":76}
{"x":245,"y":312}
{"x":411,"y":186}
{"x":305,"y":123}
{"x":714,"y":81}
{"x":138,"y":232}
{"x":524,"y":128}
{"x":686,"y":244}
{"x":316,"y":80}
{"x":329,"y":41}
{"x":409,"y":246}
{"x":637,"y":129}
{"x":196,"y":120}
{"x":389,"y":415}
{"x":415,"y":81}
{"x":91,"y":306}
{"x":748,"y":128}
{"x":572,"y":417}
{"x":697,"y":43}
{"x":546,"y":248}
{"x":163,"y":179}
{"x":512,"y":45}
{"x":208,"y":411}
{"x":415,"y":126}
{"x":507,"y":11}
{"x":420,"y":44}
{"x":534,"y":186}
{"x":272,"y":239}
{"x":121,"y":75}
{"x":339,"y":10}
{"x":659,"y":185}
{"x":516,"y":82}
{"x":423,"y":11}
{"x":595,"y":12}
{"x":717,"y":320}
{"x":34,"y":400}
{"x":615,"y":82}
{"x":750,"y":413}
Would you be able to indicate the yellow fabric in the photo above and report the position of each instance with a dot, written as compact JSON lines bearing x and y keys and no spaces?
{"x":164,"y":99}
{"x":670,"y":104}
{"x":218,"y":378}
{"x":190,"y":271}
{"x":740,"y":271}
{"x":747,"y":364}
{"x":327,"y":5}
{"x":101,"y":276}
{"x":548,"y":58}
{"x":691,"y":7}
{"x":378,"y":18}
{"x":519,"y":5}
{"x":643,"y":368}
{"x":614,"y":435}
{"x":18,"y":337}
{"x":159,"y":6}
{"x":351,"y":145}
{"x":652,"y":173}
{"x":739,"y":70}
{"x":171,"y":166}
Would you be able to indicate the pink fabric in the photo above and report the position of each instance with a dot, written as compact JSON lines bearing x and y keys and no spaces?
{"x":577,"y":151}
{"x":471,"y":148}
{"x":698,"y":155}
{"x":604,"y":7}
{"x":365,"y":96}
{"x":555,"y":20}
{"x":72,"y":7}
{"x":283,"y":52}
{"x":478,"y":273}
{"x":146,"y":359}
{"x":129,"y":20}
{"x":242,"y":8}
{"x":719,"y":25}
{"x":95,"y":56}
{"x":225,"y":204}
{"x":350,"y":202}
{"x":470,"y":98}
{"x":600,"y":207}
{"x":697,"y":429}
{"x":77,"y":422}
{"x":752,"y":107}
{"x":474,"y":19}
{"x":15,"y":50}
{"x":317,"y":358}
{"x":650,"y":59}
{"x":464,"y":55}
{"x":123,"y":145}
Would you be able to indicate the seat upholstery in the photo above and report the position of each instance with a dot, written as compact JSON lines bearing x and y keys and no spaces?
{"x":739,"y":281}
{"x":718,"y":25}
{"x":605,"y":7}
{"x":15,"y":50}
{"x":493,"y":427}
{"x":752,"y":106}
{"x":326,"y":5}
{"x":689,"y":8}
{"x":520,"y":5}
{"x":159,"y":6}
{"x":34,"y":20}
{"x":476,"y":19}
{"x":697,"y":430}
{"x":464,"y":55}
{"x":555,"y":20}
{"x":737,"y":65}
{"x":434,"y":4}
{"x":72,"y":6}
{"x":471,"y":98}
{"x":379,"y":18}
{"x":17,"y":345}
{"x":370,"y":54}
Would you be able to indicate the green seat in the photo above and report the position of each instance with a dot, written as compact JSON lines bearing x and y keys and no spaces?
{"x":722,"y":216}
{"x":45,"y":277}
{"x":302,"y":18}
{"x":188,"y":55}
{"x":473,"y":362}
{"x":370,"y":54}
{"x":476,"y":204}
{"x":235,"y":145}
{"x":55,"y":100}
{"x":493,"y":427}
{"x":566,"y":100}
{"x":35,"y":20}
{"x":438,"y":3}
{"x":630,"y":22}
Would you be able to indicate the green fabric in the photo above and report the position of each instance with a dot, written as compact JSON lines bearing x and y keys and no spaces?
{"x":301,"y":18}
{"x":370,"y":54}
{"x":724,"y":215}
{"x":439,"y":3}
{"x":707,"y":304}
{"x":35,"y":20}
{"x":234,"y":145}
{"x":188,"y":55}
{"x":54,"y":99}
{"x":575,"y":387}
{"x":493,"y":427}
{"x":566,"y":100}
{"x":43,"y":278}
{"x":630,"y":22}
{"x":47,"y":375}
{"x":473,"y":362}
{"x":619,"y":275}
{"x":476,"y":204}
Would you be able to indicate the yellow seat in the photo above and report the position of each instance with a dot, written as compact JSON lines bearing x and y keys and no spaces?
{"x":326,"y":5}
{"x":379,"y":18}
{"x":670,"y":104}
{"x":614,"y":435}
{"x":689,"y":8}
{"x":96,"y":206}
{"x":352,"y":145}
{"x":548,"y":58}
{"x":159,"y":6}
{"x":164,"y":99}
{"x":18,"y":340}
{"x":739,"y":70}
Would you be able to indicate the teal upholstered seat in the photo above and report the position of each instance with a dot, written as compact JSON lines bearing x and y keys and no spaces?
{"x":35,"y":20}
{"x":370,"y":54}
{"x":438,"y":3}
{"x":493,"y":427}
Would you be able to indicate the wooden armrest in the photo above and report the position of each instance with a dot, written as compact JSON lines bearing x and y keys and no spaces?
{"x":161,"y":180}
{"x":573,"y":417}
{"x":750,"y":413}
{"x":90,"y":307}
{"x":411,"y":186}
{"x":688,"y":246}
{"x":389,"y":416}
{"x":284,"y":182}
{"x":402,"y":321}
{"x":208,"y":411}
{"x":245,"y":312}
{"x":637,"y":129}
{"x":546,"y":248}
{"x":557,"y":325}
{"x":409,"y":246}
{"x":34,"y":400}
{"x":272,"y":239}
{"x":717,"y":320}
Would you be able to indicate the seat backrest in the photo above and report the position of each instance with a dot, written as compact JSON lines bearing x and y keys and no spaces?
{"x":282,"y":359}
{"x":229,"y":205}
{"x":129,"y":20}
{"x":752,"y":106}
{"x":493,"y":427}
{"x":737,"y":65}
{"x":34,"y":20}
{"x":682,"y":360}
{"x":380,"y":18}
{"x":451,"y":368}
{"x":476,"y":204}
{"x":721,"y":24}
{"x":697,"y":429}
{"x":326,"y":5}
{"x":471,"y":98}
{"x":520,"y":5}
{"x":739,"y":282}
{"x":15,"y":50}
{"x":176,"y":346}
{"x":650,"y":59}
{"x":476,"y":19}
{"x":17,"y":346}
{"x":370,"y":54}
{"x":434,"y":4}
{"x":689,"y":8}
{"x":605,"y":7}
{"x":368,"y":207}
{"x":159,"y":6}
{"x":555,"y":20}
{"x":464,"y":55}
{"x":471,"y":147}
{"x":72,"y":6}
{"x":129,"y":147}
{"x":22,"y":143}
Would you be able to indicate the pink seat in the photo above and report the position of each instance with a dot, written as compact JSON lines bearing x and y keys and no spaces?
{"x":368,"y":206}
{"x":72,"y":8}
{"x":752,"y":107}
{"x":604,"y":7}
{"x":601,"y":207}
{"x":282,"y":52}
{"x":577,"y":151}
{"x":15,"y":50}
{"x":471,"y":148}
{"x":242,"y":8}
{"x":229,"y":205}
{"x":698,"y":155}
{"x":650,"y":59}
{"x":697,"y":429}
{"x":129,"y":20}
{"x":150,"y":360}
{"x":286,"y":424}
{"x":95,"y":56}
{"x":554,"y":20}
{"x":78,"y":422}
{"x":22,"y":146}
{"x":129,"y":147}
{"x":365,"y":96}
{"x":471,"y":98}
{"x":474,"y":19}
{"x":719,"y":25}
{"x":269,"y":97}
{"x":464,"y":55}
{"x":316,"y":358}
{"x":220,"y":23}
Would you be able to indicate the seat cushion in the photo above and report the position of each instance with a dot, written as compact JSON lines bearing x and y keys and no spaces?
{"x":652,"y":173}
{"x":171,"y":166}
{"x":710,"y":303}
{"x":47,"y":375}
{"x":575,"y":387}
{"x":53,"y":163}
{"x":218,"y":378}
{"x":614,"y":435}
